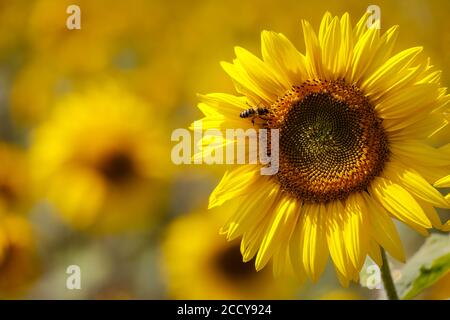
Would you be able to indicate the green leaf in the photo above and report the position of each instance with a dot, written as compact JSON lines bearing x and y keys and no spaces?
{"x":427,"y":266}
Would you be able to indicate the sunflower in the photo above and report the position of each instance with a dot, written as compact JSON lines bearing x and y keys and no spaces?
{"x":202,"y":265}
{"x":95,"y":159}
{"x":19,"y":261}
{"x":355,"y":122}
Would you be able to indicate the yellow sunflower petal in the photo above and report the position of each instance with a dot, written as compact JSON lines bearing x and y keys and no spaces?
{"x":281,"y":55}
{"x":418,"y":152}
{"x":335,"y":238}
{"x":415,"y":184}
{"x":361,"y":27}
{"x":383,"y":229}
{"x":363,"y":53}
{"x":220,"y":122}
{"x":281,"y":261}
{"x":409,"y":100}
{"x":384,"y":49}
{"x":313,"y":245}
{"x":222,"y":103}
{"x":233,"y":184}
{"x":251,"y":209}
{"x":313,"y":52}
{"x":324,"y":24}
{"x":391,"y":72}
{"x":443,"y":182}
{"x":330,"y":41}
{"x":280,"y":227}
{"x":399,"y":202}
{"x":260,"y":73}
{"x":431,"y":213}
{"x":244,"y":84}
{"x":356,"y":230}
{"x":346,"y":48}
{"x":251,"y":240}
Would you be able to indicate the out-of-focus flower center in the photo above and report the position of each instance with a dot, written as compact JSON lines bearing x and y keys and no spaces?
{"x":332,"y":142}
{"x":7,"y":258}
{"x":7,"y":192}
{"x":117,"y":167}
{"x":229,"y":263}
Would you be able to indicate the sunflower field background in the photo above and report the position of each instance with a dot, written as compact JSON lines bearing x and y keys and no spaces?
{"x":86,"y":117}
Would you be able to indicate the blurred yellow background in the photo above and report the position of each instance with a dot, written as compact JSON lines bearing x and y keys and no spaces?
{"x":85,"y":122}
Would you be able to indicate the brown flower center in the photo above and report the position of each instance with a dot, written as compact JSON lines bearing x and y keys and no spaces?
{"x":117,"y":167}
{"x":332,"y":142}
{"x":7,"y":192}
{"x":229,"y":263}
{"x":7,"y":257}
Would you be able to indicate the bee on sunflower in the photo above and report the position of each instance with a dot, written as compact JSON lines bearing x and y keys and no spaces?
{"x":355,"y":122}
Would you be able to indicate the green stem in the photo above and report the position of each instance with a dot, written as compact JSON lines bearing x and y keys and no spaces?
{"x":389,"y":286}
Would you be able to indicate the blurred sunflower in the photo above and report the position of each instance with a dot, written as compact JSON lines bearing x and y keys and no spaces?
{"x":202,"y":265}
{"x":114,"y":37}
{"x":98,"y":160}
{"x":354,"y":120}
{"x":14,"y":191}
{"x":19,"y":262}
